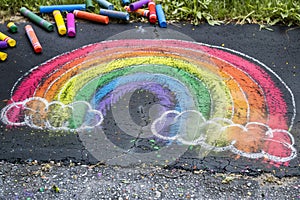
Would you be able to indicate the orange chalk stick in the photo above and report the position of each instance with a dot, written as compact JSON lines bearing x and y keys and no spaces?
{"x":139,"y":11}
{"x":33,"y":39}
{"x":91,"y":16}
{"x":142,"y":12}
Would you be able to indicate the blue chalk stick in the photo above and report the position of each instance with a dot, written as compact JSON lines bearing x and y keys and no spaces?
{"x":105,"y":4}
{"x":62,"y":8}
{"x":115,"y":14}
{"x":161,"y":16}
{"x":126,"y":2}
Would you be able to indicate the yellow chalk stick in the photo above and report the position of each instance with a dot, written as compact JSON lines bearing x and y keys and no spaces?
{"x":60,"y":23}
{"x":11,"y":42}
{"x":3,"y":56}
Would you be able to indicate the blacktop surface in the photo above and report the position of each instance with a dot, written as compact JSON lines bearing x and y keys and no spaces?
{"x":121,"y":160}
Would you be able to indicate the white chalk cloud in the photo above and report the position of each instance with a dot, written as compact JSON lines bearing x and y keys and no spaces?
{"x":253,"y":140}
{"x":38,"y":113}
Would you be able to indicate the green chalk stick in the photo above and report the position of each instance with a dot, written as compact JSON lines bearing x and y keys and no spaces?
{"x":37,"y":19}
{"x":89,"y":5}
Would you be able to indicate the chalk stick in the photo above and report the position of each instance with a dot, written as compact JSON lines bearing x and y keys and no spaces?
{"x":71,"y":25}
{"x":11,"y":42}
{"x":152,"y":12}
{"x":161,"y":16}
{"x":60,"y":23}
{"x":62,"y":8}
{"x":138,"y":4}
{"x":3,"y":56}
{"x":3,"y":45}
{"x":37,"y":19}
{"x":91,"y":16}
{"x":89,"y":5}
{"x":33,"y":39}
{"x":140,"y":11}
{"x":105,"y":4}
{"x":125,"y":2}
{"x":12,"y":27}
{"x":115,"y":14}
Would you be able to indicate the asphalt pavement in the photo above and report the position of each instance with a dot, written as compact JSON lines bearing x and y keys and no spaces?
{"x":149,"y":89}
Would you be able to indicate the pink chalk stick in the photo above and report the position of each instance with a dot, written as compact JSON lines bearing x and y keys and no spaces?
{"x":71,"y":25}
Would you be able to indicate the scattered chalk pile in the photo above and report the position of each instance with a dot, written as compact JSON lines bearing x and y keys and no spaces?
{"x":65,"y":15}
{"x":6,"y":41}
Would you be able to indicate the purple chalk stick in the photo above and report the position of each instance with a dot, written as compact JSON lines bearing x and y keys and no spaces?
{"x":71,"y":25}
{"x":138,"y":4}
{"x":3,"y":45}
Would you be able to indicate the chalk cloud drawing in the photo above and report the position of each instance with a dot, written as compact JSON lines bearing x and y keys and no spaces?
{"x":37,"y":112}
{"x":206,"y":95}
{"x":251,"y":140}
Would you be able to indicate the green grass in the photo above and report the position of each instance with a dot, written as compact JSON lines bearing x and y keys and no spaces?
{"x":268,"y":12}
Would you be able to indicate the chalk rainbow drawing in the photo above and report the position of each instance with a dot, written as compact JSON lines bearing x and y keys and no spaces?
{"x":211,"y":96}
